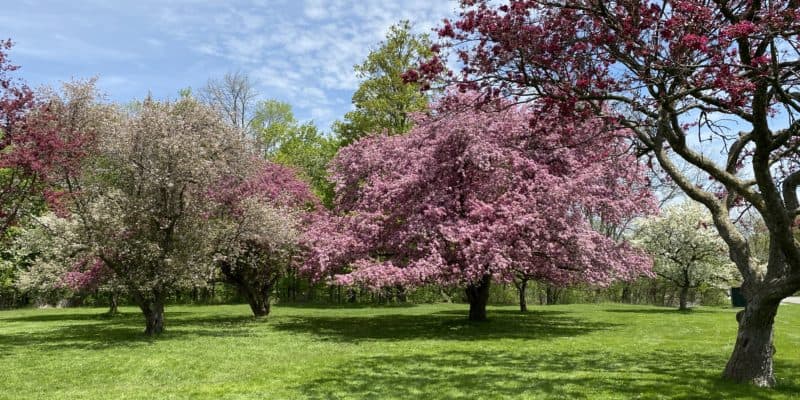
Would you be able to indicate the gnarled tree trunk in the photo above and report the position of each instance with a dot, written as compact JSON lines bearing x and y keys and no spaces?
{"x":478,"y":296}
{"x":751,"y":361}
{"x":256,"y":289}
{"x":153,"y":310}
{"x":752,"y":358}
{"x":259,"y":300}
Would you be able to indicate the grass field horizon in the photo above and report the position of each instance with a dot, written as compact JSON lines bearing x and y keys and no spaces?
{"x":422,"y":351}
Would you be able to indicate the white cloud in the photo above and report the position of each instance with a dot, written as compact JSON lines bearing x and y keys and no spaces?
{"x":299,"y":52}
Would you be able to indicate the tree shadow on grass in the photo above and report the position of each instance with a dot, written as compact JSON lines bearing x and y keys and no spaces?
{"x":568,"y":375}
{"x":668,"y":311}
{"x":123,"y":330}
{"x":80,"y":316}
{"x":343,"y":306}
{"x":444,"y":325}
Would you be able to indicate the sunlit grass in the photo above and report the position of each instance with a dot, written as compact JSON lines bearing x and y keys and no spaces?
{"x":429,"y":351}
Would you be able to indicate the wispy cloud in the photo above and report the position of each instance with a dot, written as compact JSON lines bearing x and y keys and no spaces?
{"x":303,"y":53}
{"x":300,"y":51}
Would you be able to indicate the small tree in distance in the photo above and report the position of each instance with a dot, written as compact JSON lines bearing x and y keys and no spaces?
{"x":687,"y":251}
{"x":234,"y":97}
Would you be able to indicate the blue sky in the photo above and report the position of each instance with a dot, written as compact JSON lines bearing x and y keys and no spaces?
{"x":298,"y":51}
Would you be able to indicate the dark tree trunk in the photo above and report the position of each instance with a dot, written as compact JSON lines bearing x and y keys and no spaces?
{"x":478,"y":296}
{"x":256,"y":290}
{"x":113,"y":303}
{"x":259,"y":305}
{"x":626,"y":293}
{"x":522,"y":286}
{"x":400,"y":294}
{"x":153,"y":310}
{"x":683,"y":299}
{"x":257,"y":296}
{"x":751,"y":361}
{"x":552,"y":294}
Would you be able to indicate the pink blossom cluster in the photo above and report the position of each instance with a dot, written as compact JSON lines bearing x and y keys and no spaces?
{"x":612,"y":47}
{"x":39,"y":152}
{"x":86,"y":274}
{"x":268,"y":181}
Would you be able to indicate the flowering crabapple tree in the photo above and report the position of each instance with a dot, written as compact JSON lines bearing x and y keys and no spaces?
{"x":687,"y":251}
{"x":712,"y":84}
{"x":470,"y":196}
{"x":55,"y":261}
{"x":41,"y":250}
{"x":37,"y":151}
{"x":143,"y":202}
{"x":45,"y":250}
{"x":258,"y":222}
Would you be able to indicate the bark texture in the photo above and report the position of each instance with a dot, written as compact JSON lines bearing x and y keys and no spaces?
{"x":751,"y":360}
{"x":153,"y":310}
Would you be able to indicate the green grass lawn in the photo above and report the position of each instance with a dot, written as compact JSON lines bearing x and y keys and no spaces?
{"x":419,"y":352}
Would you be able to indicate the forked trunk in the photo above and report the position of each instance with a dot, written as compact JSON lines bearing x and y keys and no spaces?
{"x":751,"y":361}
{"x":256,"y":290}
{"x":259,"y":303}
{"x":478,"y":296}
{"x":153,"y":310}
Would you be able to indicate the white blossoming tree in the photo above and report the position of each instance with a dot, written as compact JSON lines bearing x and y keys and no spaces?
{"x":144,"y":202}
{"x":687,"y":251}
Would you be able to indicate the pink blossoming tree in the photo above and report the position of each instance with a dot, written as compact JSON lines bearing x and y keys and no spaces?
{"x":713,"y":84}
{"x":38,"y":152}
{"x":258,"y":222}
{"x":470,"y":196}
